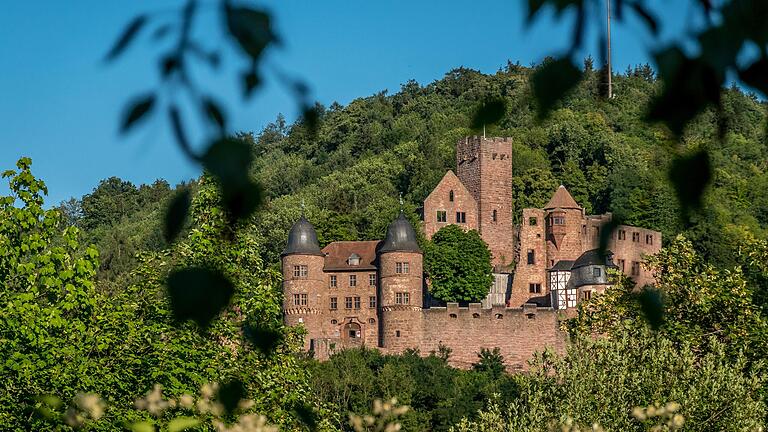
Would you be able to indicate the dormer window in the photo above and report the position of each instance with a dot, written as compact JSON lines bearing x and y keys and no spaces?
{"x":450,"y":196}
{"x":353,"y":260}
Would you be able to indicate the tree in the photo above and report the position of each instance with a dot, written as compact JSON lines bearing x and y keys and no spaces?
{"x":458,"y":265}
{"x":490,"y":361}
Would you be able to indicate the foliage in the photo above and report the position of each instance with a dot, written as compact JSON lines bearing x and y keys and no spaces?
{"x":61,"y":335}
{"x":600,"y":380}
{"x":458,"y":265}
{"x":437,"y":394}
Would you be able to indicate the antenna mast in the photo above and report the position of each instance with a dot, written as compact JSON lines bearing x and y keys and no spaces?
{"x":608,"y":46}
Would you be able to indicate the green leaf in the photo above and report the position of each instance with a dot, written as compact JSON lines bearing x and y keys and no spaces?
{"x":176,"y":214}
{"x":136,"y":111}
{"x":251,"y":28}
{"x":690,"y":176}
{"x":141,"y":426}
{"x":182,"y":423}
{"x":552,"y":81}
{"x":756,"y":75}
{"x":214,"y":113}
{"x":198,"y":294}
{"x":230,"y":395}
{"x":489,"y":112}
{"x":129,"y":33}
{"x":652,"y":306}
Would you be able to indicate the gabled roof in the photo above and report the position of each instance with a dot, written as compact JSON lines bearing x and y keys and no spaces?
{"x":562,"y":199}
{"x":562,"y":265}
{"x":337,"y":254}
{"x":450,"y":176}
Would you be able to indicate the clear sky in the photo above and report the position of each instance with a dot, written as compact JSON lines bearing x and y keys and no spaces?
{"x":60,"y":104}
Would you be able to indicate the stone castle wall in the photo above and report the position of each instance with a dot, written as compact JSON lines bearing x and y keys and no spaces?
{"x":439,"y":200}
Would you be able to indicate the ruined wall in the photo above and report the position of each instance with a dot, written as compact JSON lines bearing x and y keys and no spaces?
{"x":439,"y":200}
{"x":532,"y":237}
{"x":517,"y":332}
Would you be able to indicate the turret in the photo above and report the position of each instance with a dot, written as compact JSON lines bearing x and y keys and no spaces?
{"x":303,"y":279}
{"x":400,"y":287}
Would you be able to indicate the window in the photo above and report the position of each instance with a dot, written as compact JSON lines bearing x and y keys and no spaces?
{"x":353,"y":280}
{"x":597,"y":272}
{"x":461,"y":217}
{"x":531,"y":257}
{"x":499,"y":316}
{"x":635,"y":268}
{"x":334,"y":303}
{"x":454,"y":316}
{"x":372,"y":279}
{"x":300,"y":299}
{"x":534,"y":288}
{"x":353,"y":333}
{"x":450,"y":196}
{"x":584,"y":229}
{"x":558,"y":220}
{"x":532,"y":221}
{"x":397,"y":333}
{"x":357,"y":302}
{"x":300,"y":271}
{"x":587,"y":295}
{"x":353,"y":259}
{"x":441,"y":216}
{"x":333,"y":283}
{"x":648,"y":239}
{"x":636,"y":237}
{"x":402,"y":268}
{"x":622,"y":235}
{"x":403,"y":298}
{"x":494,"y":216}
{"x":622,"y":265}
{"x":333,"y":321}
{"x":475,"y":315}
{"x":372,"y":302}
{"x":371,"y":321}
{"x":348,"y":302}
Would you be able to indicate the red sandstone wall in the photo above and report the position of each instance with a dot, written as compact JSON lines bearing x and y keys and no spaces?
{"x":467,"y":330}
{"x":531,"y":237}
{"x":571,"y":246}
{"x":439,"y":200}
{"x":342,"y":315}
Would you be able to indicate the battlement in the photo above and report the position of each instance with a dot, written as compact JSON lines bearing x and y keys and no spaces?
{"x":476,"y":310}
{"x":480,"y":139}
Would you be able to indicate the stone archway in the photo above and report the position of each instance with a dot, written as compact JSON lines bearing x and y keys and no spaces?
{"x":352,"y":333}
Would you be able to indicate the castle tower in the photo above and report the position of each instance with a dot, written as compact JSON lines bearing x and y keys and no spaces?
{"x":484,"y":166}
{"x":303,"y":279}
{"x":564,"y":225}
{"x":400,"y":287}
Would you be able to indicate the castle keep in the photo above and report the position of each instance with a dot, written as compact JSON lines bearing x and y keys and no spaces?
{"x":373,"y":293}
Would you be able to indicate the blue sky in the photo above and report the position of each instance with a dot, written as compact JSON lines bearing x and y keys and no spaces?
{"x":60,"y":104}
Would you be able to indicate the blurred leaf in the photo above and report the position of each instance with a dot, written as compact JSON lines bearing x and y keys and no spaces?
{"x":690,"y":86}
{"x":552,"y":81}
{"x":230,"y":395}
{"x":756,"y":75}
{"x":213,"y":113}
{"x":50,"y":400}
{"x":136,"y":111}
{"x":488,"y":113}
{"x":306,"y":415}
{"x":141,"y":426}
{"x":169,"y":65}
{"x":251,"y":28}
{"x":606,"y":231}
{"x":264,"y":339}
{"x":130,"y":31}
{"x":311,"y":117}
{"x":182,"y":423}
{"x":176,"y":214}
{"x":652,"y":306}
{"x":161,"y":31}
{"x":229,"y":160}
{"x":690,"y":176}
{"x":650,"y":20}
{"x":719,"y":47}
{"x":251,"y":81}
{"x":178,"y":132}
{"x":198,"y":294}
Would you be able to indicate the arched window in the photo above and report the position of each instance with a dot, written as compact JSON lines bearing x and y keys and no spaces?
{"x":454,"y":316}
{"x":371,"y":321}
{"x":450,"y":196}
{"x":475,"y":315}
{"x":499,"y":316}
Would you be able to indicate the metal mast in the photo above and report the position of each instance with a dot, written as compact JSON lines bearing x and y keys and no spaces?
{"x":608,"y":46}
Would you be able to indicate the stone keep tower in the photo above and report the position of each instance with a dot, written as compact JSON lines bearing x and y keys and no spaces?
{"x":484,"y":166}
{"x":564,"y":220}
{"x":303,"y":280}
{"x":400,"y":287}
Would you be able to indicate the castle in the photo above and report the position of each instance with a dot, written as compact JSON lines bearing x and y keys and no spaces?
{"x":373,"y":293}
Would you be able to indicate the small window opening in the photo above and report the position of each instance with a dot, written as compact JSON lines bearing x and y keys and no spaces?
{"x":475,"y":315}
{"x":532,"y":221}
{"x":494,"y":216}
{"x":454,"y":316}
{"x":450,"y":196}
{"x":397,"y":333}
{"x":531,"y":257}
{"x":499,"y":316}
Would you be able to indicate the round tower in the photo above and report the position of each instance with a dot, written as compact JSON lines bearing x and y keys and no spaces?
{"x":303,"y":279}
{"x":400,"y":287}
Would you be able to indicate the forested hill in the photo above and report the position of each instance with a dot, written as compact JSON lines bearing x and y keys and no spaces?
{"x":364,"y":154}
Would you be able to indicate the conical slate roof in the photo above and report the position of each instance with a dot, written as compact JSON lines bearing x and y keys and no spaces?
{"x":594,"y":257}
{"x":302,"y":239}
{"x":400,"y":237}
{"x":562,"y":199}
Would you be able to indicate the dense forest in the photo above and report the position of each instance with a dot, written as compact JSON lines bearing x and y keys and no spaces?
{"x":702,"y":366}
